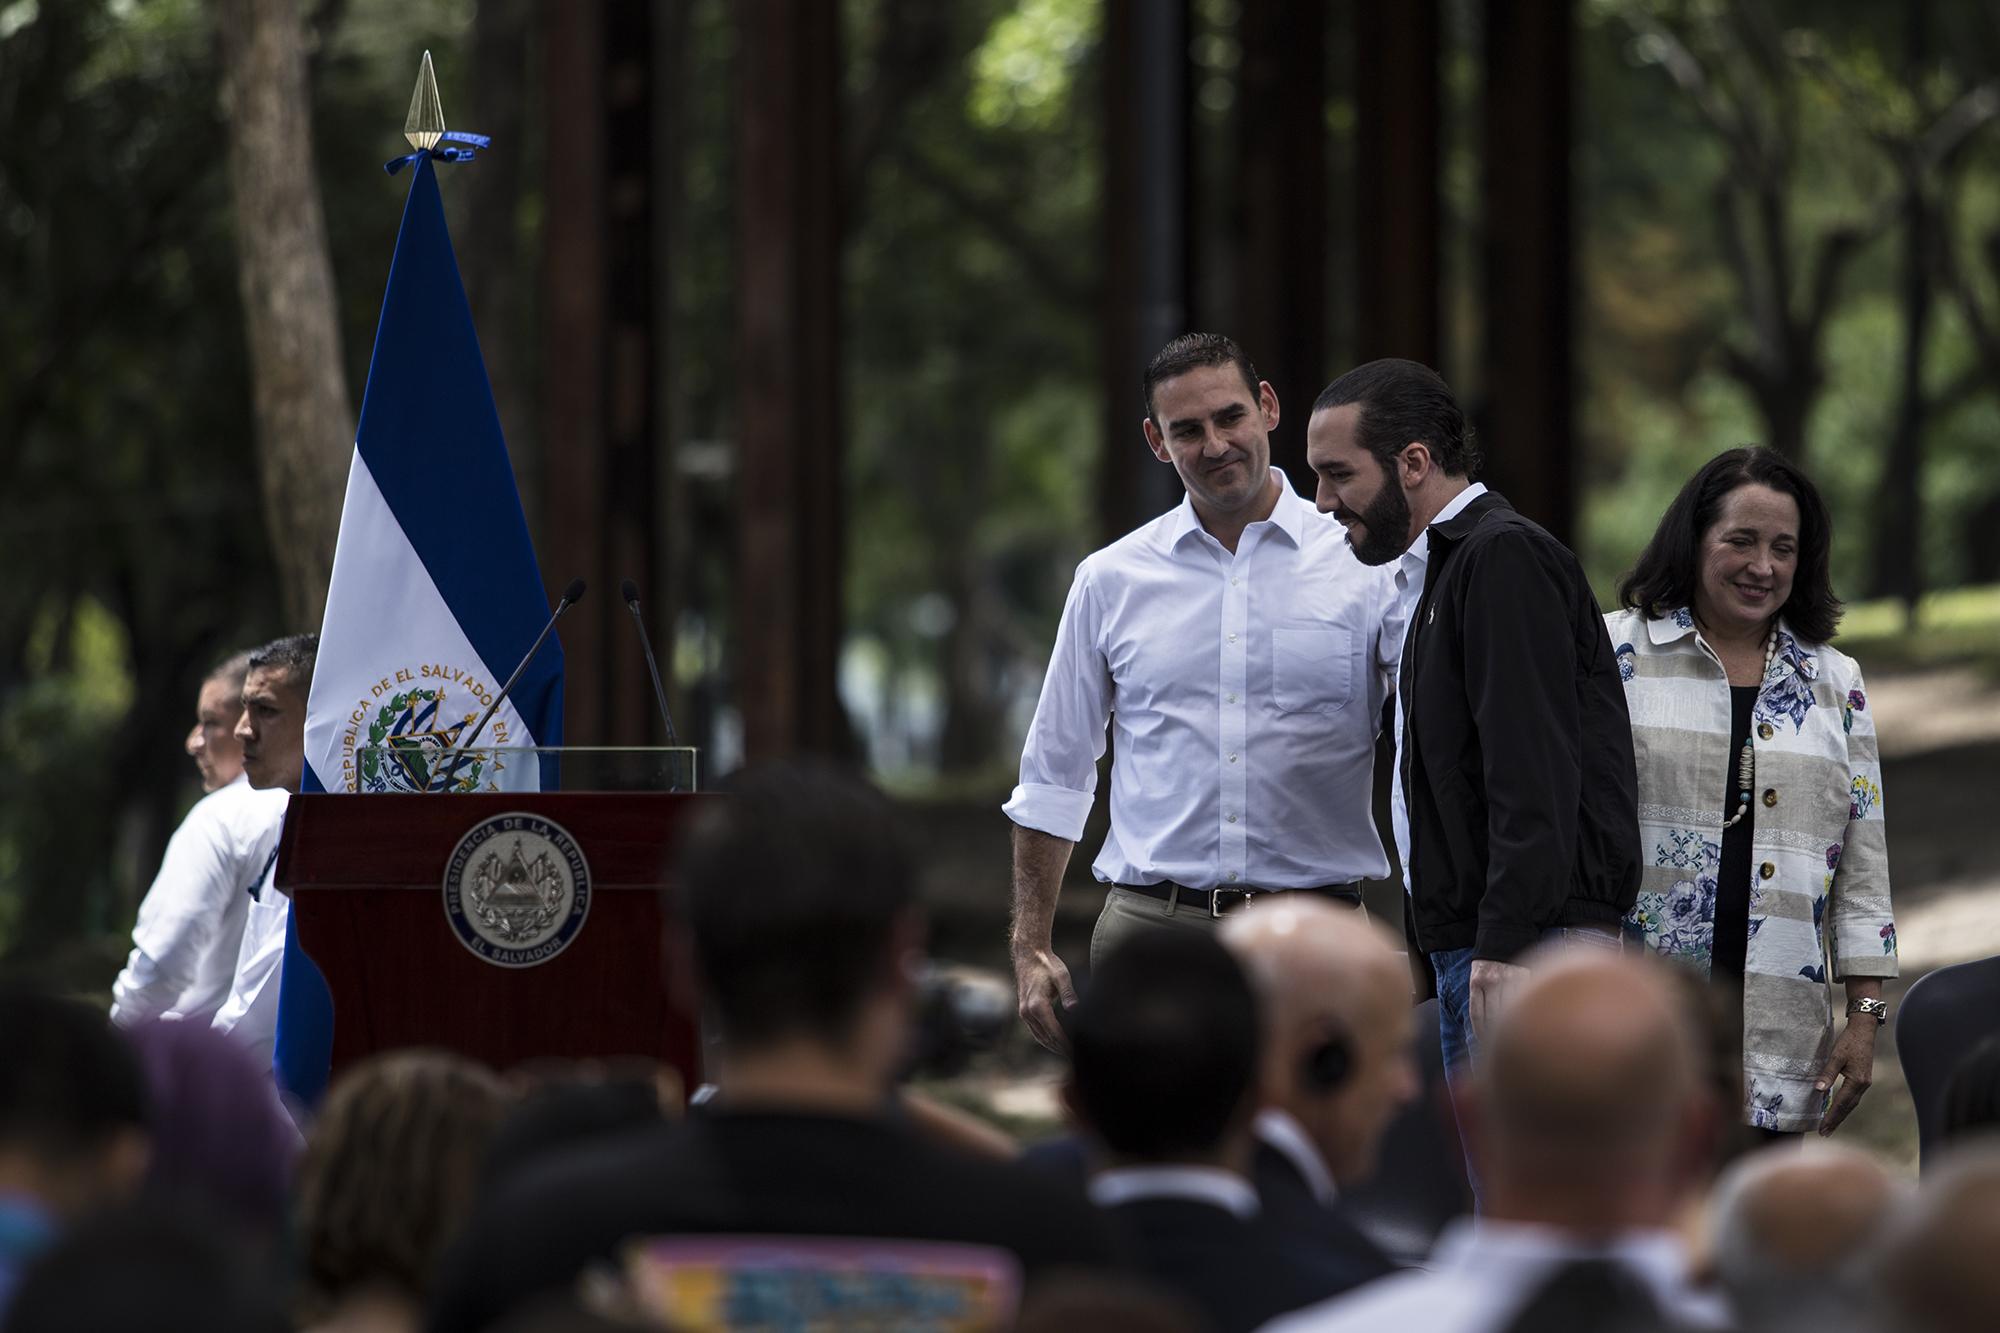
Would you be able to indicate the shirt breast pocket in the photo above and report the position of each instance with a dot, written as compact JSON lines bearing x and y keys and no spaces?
{"x":1312,"y":670}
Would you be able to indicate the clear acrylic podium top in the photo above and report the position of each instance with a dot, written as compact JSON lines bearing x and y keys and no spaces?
{"x":426,"y":765}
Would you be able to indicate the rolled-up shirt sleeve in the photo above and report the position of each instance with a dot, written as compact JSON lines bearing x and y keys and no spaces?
{"x":1066,"y":739}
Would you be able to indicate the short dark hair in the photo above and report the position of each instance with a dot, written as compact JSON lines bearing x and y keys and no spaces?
{"x":1191,"y":351}
{"x":1404,"y":402}
{"x":68,"y":1083}
{"x":1669,"y":569}
{"x":294,"y":655}
{"x":230,"y":671}
{"x":1164,"y":1046}
{"x":793,"y":883}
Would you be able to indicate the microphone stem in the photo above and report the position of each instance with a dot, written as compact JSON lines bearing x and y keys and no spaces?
{"x":652,"y":666}
{"x":458,"y":751}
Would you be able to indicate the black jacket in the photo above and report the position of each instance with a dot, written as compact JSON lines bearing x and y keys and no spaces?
{"x":1517,"y":751}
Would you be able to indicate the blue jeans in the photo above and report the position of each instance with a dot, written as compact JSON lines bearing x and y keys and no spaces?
{"x":1456,"y":1041}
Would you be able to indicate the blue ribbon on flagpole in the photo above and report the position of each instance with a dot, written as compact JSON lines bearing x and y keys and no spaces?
{"x":473,"y":143}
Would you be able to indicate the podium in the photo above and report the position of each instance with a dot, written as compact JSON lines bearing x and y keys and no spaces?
{"x":410,"y":904}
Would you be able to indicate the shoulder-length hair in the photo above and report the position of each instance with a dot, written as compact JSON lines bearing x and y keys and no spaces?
{"x":1669,"y":568}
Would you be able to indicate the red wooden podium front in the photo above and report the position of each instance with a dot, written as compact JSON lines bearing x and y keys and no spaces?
{"x":366,"y":875}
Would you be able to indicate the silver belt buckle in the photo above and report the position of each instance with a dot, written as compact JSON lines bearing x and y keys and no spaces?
{"x":1215,"y":900}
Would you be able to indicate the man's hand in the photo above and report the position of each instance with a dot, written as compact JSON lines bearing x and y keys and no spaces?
{"x":1853,"y":1062}
{"x":1043,"y":982}
{"x":1490,"y":987}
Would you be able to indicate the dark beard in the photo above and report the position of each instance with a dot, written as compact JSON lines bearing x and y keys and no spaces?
{"x":1387,"y":522}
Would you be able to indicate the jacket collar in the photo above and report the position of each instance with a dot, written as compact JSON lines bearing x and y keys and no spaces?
{"x":1792,"y":657}
{"x":1455,"y":528}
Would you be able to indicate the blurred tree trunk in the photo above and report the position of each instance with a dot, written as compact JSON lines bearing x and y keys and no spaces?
{"x":305,"y":423}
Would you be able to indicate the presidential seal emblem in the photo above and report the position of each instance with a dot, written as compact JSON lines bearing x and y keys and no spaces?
{"x":516,"y":889}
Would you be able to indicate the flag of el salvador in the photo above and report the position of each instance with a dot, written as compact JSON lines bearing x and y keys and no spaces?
{"x":435,"y":596}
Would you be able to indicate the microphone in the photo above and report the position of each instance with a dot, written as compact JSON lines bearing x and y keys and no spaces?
{"x":571,"y":596}
{"x":630,"y":592}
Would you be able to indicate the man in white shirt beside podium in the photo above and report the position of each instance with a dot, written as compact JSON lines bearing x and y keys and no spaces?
{"x":1234,"y":647}
{"x":191,"y":920}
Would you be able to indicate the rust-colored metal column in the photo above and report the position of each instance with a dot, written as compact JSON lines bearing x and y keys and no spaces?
{"x":1283,"y":192}
{"x":1397,"y":210}
{"x":599,"y":332}
{"x":1528,"y":379}
{"x":789,"y":552}
{"x":1147,"y":264}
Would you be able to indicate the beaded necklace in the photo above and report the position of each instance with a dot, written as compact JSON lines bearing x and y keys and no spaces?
{"x":1746,"y":760}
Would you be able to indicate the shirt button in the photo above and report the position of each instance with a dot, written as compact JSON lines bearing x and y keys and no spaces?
{"x":1232,"y":877}
{"x":1230,"y":817}
{"x":1232,"y":758}
{"x":1232,"y":638}
{"x":1764,"y":730}
{"x":1231,"y":697}
{"x":1233,"y":580}
{"x":1766,"y":870}
{"x":1770,"y":797}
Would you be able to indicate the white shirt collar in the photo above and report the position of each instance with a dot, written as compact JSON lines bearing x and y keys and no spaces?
{"x":1202,"y":1184}
{"x":1284,"y":1134}
{"x":1288,"y":517}
{"x":1419,"y":553}
{"x":1489,"y":1244}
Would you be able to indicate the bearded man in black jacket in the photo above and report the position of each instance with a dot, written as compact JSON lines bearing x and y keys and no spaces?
{"x":1514,"y":749}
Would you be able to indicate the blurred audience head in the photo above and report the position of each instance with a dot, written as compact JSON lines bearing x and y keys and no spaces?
{"x":223,"y":1145}
{"x":389,"y":1172}
{"x":1338,"y":1025}
{"x":212,"y":743}
{"x":272,"y":726}
{"x":799,"y":892}
{"x":1792,"y":1232}
{"x":1972,"y":1093}
{"x":563,"y":1110}
{"x":1940,"y":1260}
{"x":1586,"y":1110}
{"x":1164,"y":1048}
{"x":146,"y":1270}
{"x":73,"y":1115}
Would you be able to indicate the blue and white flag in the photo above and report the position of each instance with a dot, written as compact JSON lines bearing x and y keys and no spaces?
{"x":435,"y":596}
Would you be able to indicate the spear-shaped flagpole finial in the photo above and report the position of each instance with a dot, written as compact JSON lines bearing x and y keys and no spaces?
{"x":424,"y":126}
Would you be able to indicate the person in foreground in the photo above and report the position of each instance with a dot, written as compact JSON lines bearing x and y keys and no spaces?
{"x":1164,"y":1051}
{"x":1337,"y":1062}
{"x":1236,"y":649}
{"x":1760,"y":790}
{"x":798,"y":897}
{"x":1585,"y":1116}
{"x":1515,"y":753}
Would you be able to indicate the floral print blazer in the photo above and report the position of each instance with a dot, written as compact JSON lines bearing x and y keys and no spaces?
{"x":1819,"y":870}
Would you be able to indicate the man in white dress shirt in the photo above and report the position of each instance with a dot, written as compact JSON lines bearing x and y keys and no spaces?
{"x":1234,"y":646}
{"x":191,"y":921}
{"x":272,"y":731}
{"x":1590,"y":1127}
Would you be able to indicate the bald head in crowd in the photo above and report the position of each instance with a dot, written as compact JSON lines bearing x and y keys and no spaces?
{"x":1327,"y":974}
{"x":1587,"y":1112}
{"x":1792,"y":1229}
{"x":1939,"y":1271}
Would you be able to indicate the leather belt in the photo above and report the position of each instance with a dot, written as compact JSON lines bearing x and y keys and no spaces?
{"x":1223,"y":898}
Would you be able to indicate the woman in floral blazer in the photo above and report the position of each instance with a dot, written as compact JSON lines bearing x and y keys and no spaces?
{"x":1766,"y":865}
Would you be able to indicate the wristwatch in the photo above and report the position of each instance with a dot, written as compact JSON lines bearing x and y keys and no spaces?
{"x":1879,"y":1008}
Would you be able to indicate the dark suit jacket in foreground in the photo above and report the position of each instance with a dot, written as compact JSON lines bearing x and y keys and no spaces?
{"x":1517,"y":749}
{"x":738,"y":1173}
{"x":1239,"y":1273}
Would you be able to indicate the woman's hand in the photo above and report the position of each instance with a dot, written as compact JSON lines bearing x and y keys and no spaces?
{"x":1853,"y":1063}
